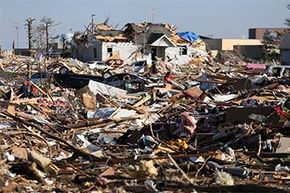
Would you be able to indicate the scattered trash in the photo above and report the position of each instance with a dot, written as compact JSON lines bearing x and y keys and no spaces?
{"x":223,"y":178}
{"x":203,"y":125}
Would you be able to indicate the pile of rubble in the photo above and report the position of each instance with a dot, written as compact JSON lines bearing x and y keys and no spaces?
{"x":217,"y":129}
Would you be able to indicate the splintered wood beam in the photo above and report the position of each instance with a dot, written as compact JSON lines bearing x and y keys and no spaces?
{"x":142,"y":101}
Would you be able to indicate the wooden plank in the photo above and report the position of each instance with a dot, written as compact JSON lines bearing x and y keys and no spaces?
{"x":142,"y":101}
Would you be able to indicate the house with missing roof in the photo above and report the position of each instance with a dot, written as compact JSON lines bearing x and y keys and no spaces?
{"x":285,"y":49}
{"x":101,"y":44}
{"x":135,"y":42}
{"x":161,"y":41}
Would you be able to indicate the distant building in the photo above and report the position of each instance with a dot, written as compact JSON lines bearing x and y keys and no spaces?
{"x":285,"y":49}
{"x":258,"y":33}
{"x":229,"y":44}
{"x":54,"y":50}
{"x":250,"y":48}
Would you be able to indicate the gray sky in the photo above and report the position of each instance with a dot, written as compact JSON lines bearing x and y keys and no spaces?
{"x":217,"y":18}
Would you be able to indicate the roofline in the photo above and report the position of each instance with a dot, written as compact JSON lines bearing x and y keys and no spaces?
{"x":167,"y":39}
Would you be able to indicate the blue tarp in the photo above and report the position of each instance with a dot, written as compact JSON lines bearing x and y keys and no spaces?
{"x":188,"y":36}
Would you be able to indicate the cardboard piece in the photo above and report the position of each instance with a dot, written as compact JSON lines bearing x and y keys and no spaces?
{"x":284,"y":145}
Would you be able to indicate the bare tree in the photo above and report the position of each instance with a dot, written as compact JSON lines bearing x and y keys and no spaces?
{"x":38,"y":37}
{"x":48,"y":22}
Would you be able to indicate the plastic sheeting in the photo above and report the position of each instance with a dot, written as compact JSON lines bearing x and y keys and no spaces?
{"x":188,"y":36}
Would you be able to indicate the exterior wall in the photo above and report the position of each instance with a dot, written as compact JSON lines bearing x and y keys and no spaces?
{"x":127,"y":50}
{"x":214,"y":44}
{"x":253,"y":52}
{"x":285,"y":57}
{"x":173,"y":55}
{"x":285,"y":42}
{"x":228,"y":44}
{"x":86,"y":54}
{"x":258,"y":33}
{"x":83,"y":54}
{"x":252,"y":33}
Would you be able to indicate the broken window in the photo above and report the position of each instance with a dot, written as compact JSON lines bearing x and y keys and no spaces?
{"x":110,"y":51}
{"x":183,"y":50}
{"x":95,"y":53}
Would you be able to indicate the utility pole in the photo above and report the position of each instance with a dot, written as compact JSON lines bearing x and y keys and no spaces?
{"x":16,"y":26}
{"x":47,"y":24}
{"x":29,"y":26}
{"x":17,"y":36}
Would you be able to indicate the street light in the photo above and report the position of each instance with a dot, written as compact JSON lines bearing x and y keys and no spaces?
{"x":17,"y":36}
{"x":17,"y":26}
{"x":93,"y":15}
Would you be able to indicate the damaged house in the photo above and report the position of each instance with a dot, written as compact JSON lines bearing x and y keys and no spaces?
{"x":161,"y":41}
{"x":101,"y":44}
{"x":135,"y":42}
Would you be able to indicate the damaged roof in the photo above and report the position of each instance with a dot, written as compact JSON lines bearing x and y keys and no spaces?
{"x":106,"y":33}
{"x":153,"y":37}
{"x":138,"y":33}
{"x":163,"y":28}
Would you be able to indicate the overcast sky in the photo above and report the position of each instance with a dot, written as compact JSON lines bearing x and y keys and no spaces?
{"x":216,"y":18}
